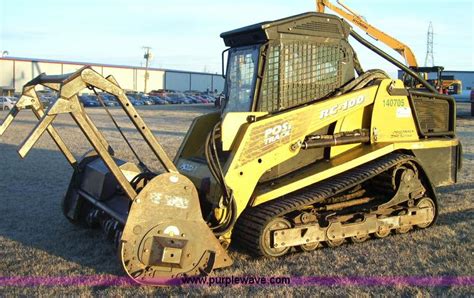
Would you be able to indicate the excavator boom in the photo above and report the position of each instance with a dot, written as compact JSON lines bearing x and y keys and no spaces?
{"x":356,"y":19}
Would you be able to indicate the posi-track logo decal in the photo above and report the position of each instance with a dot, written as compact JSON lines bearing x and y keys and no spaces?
{"x":277,"y":133}
{"x":350,"y":103}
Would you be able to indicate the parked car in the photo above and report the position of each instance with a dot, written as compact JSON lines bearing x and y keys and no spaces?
{"x":193,"y":99}
{"x":210,"y":99}
{"x":47,"y":96}
{"x":109,"y":100}
{"x":146,"y":100}
{"x":186,"y":100}
{"x":164,"y":92}
{"x":201,"y":99}
{"x":47,"y":100}
{"x":7,"y":102}
{"x":89,"y":100}
{"x":158,"y":100}
{"x":111,"y":103}
{"x":135,"y":101}
{"x":173,"y":98}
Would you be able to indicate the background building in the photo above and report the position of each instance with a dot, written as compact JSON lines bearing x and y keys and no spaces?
{"x":466,"y":76}
{"x":16,"y":72}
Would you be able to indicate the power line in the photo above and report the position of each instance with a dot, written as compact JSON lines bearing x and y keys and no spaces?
{"x":148,"y":56}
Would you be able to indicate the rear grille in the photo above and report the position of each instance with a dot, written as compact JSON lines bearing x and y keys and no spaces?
{"x":433,"y":114}
{"x":319,"y":27}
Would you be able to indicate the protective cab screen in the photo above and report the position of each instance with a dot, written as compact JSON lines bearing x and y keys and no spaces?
{"x":297,"y":72}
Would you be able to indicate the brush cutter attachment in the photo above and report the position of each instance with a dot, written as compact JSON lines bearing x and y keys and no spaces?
{"x":154,"y":219}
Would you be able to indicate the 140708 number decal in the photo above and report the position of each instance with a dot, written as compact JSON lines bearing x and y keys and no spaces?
{"x":393,"y":102}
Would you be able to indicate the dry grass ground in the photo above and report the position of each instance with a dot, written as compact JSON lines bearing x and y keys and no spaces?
{"x":36,"y":240}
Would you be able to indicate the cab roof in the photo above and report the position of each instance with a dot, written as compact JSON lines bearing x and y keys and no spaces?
{"x":309,"y":24}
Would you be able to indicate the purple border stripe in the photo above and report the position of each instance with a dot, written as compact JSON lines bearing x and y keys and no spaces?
{"x":421,"y":281}
{"x":123,"y":281}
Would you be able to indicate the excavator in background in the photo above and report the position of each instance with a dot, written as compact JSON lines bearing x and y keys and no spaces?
{"x":308,"y":149}
{"x":444,"y":85}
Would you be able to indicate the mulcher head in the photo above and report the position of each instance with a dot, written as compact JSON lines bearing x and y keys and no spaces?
{"x":165,"y":235}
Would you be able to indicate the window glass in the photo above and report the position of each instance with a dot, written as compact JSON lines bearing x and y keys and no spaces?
{"x":241,"y":75}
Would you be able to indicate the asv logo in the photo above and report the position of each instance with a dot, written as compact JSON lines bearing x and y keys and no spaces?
{"x":277,"y":132}
{"x":350,"y":103}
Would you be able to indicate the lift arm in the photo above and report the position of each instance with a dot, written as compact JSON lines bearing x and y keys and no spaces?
{"x":356,"y":19}
{"x":69,"y":86}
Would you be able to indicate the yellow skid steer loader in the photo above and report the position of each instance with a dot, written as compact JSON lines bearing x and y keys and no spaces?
{"x":308,"y":149}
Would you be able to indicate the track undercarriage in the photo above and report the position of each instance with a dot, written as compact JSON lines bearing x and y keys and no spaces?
{"x":389,"y":194}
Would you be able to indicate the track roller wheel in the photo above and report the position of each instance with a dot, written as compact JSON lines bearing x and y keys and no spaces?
{"x":359,"y":238}
{"x":335,"y":243}
{"x":308,"y":247}
{"x":266,"y":241}
{"x":404,"y":229}
{"x":427,"y":203}
{"x":383,"y":232}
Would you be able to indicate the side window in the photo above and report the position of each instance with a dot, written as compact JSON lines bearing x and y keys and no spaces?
{"x":241,"y":77}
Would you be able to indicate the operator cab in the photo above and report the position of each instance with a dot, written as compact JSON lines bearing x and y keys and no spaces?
{"x":274,"y":66}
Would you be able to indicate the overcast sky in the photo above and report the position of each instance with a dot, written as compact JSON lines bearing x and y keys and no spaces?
{"x":184,"y":34}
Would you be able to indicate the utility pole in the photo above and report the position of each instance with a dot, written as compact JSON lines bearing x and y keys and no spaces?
{"x":148,"y":56}
{"x":429,"y":46}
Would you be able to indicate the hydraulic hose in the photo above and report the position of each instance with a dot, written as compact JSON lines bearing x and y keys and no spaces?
{"x":392,"y":60}
{"x":215,"y":168}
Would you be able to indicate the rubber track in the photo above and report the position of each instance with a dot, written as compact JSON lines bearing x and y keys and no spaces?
{"x":251,"y":222}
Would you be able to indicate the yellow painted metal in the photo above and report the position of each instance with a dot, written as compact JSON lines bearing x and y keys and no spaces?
{"x":30,"y":99}
{"x":193,"y":143}
{"x":392,"y":117}
{"x":273,"y":140}
{"x":349,"y":123}
{"x":166,"y":233}
{"x":69,"y":85}
{"x":338,"y":165}
{"x":232,"y":123}
{"x":94,"y":79}
{"x":453,"y":84}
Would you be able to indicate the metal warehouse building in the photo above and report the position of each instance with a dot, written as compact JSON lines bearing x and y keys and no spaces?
{"x":15,"y":72}
{"x":467,"y":77}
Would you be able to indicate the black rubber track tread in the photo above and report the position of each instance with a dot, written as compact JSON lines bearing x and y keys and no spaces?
{"x":250,"y":224}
